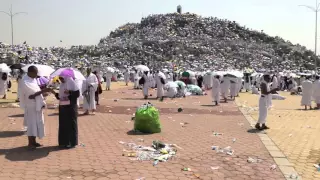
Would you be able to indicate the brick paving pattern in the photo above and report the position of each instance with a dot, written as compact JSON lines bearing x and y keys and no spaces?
{"x":99,"y":155}
{"x":293,"y":130}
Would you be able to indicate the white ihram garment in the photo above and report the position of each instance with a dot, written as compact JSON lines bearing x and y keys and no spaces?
{"x":79,"y":83}
{"x":126,"y":77}
{"x":33,"y":113}
{"x":306,"y":93}
{"x":108,"y":80}
{"x":233,"y":89}
{"x":160,"y":90}
{"x":255,"y":90}
{"x":316,"y":91}
{"x":172,"y":92}
{"x":146,"y":85}
{"x":3,"y":85}
{"x":136,"y":81}
{"x":225,"y":86}
{"x":263,"y":106}
{"x":215,"y":90}
{"x":91,"y":85}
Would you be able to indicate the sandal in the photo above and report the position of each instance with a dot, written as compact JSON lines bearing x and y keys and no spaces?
{"x":263,"y":127}
{"x":257,"y":126}
{"x":37,"y":145}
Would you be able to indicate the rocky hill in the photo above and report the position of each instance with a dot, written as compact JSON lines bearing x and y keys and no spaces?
{"x":192,"y":40}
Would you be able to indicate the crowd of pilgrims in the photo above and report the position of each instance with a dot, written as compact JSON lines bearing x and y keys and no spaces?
{"x":32,"y":92}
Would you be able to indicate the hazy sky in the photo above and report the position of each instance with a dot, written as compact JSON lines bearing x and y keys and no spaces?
{"x":84,"y":22}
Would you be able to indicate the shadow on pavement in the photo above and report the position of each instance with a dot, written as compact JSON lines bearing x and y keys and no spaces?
{"x":8,"y":134}
{"x":16,"y":115}
{"x":134,"y":133}
{"x":208,"y":105}
{"x":254,"y":131}
{"x":140,"y":99}
{"x":24,"y":154}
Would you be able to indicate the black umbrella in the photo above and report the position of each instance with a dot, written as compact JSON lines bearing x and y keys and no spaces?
{"x":17,"y":66}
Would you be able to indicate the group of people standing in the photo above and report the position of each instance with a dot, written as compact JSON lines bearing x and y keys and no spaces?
{"x":32,"y":101}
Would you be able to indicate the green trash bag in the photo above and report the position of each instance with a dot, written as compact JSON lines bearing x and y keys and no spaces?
{"x":147,"y":120}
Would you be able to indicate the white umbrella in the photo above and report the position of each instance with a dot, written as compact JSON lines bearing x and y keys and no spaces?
{"x":235,"y":73}
{"x":161,"y":74}
{"x":191,"y":73}
{"x":4,"y":68}
{"x":142,"y":68}
{"x":77,"y":74}
{"x":110,"y":69}
{"x":43,"y":70}
{"x":219,"y":73}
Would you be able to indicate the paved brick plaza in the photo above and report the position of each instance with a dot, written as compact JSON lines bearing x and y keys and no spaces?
{"x":100,"y":155}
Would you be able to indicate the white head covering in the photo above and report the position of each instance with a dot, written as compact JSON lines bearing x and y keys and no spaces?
{"x":69,"y":85}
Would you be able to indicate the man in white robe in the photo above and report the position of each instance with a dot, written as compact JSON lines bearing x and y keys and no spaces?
{"x":146,"y":84}
{"x":274,"y":86}
{"x":90,"y":86}
{"x":126,"y":76}
{"x":32,"y":101}
{"x":169,"y":76}
{"x":307,"y":93}
{"x":316,"y":91}
{"x":216,"y":90}
{"x":233,"y":89}
{"x":263,"y":102}
{"x":172,"y":92}
{"x":108,"y":80}
{"x":136,"y":80}
{"x":247,"y":83}
{"x":207,"y":79}
{"x":79,"y":83}
{"x":239,"y":86}
{"x":4,"y":80}
{"x":160,"y":83}
{"x":225,"y":86}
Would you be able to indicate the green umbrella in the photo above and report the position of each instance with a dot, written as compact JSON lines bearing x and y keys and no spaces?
{"x":185,"y":74}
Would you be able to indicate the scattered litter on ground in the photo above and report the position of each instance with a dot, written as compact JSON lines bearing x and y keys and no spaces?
{"x":116,"y":100}
{"x":215,"y":168}
{"x":82,"y":145}
{"x":290,"y":135}
{"x":186,"y":169}
{"x":197,"y":175}
{"x":234,"y":140}
{"x":227,"y":150}
{"x":317,"y":166}
{"x":217,"y":133}
{"x":142,"y":178}
{"x":292,"y":176}
{"x":273,"y":167}
{"x":215,"y":147}
{"x":254,"y":160}
{"x":141,"y":140}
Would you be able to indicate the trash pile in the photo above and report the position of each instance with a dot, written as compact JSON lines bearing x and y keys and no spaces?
{"x":158,"y":152}
{"x":173,"y":41}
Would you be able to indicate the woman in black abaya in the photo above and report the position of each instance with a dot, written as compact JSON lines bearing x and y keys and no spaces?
{"x":68,"y":112}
